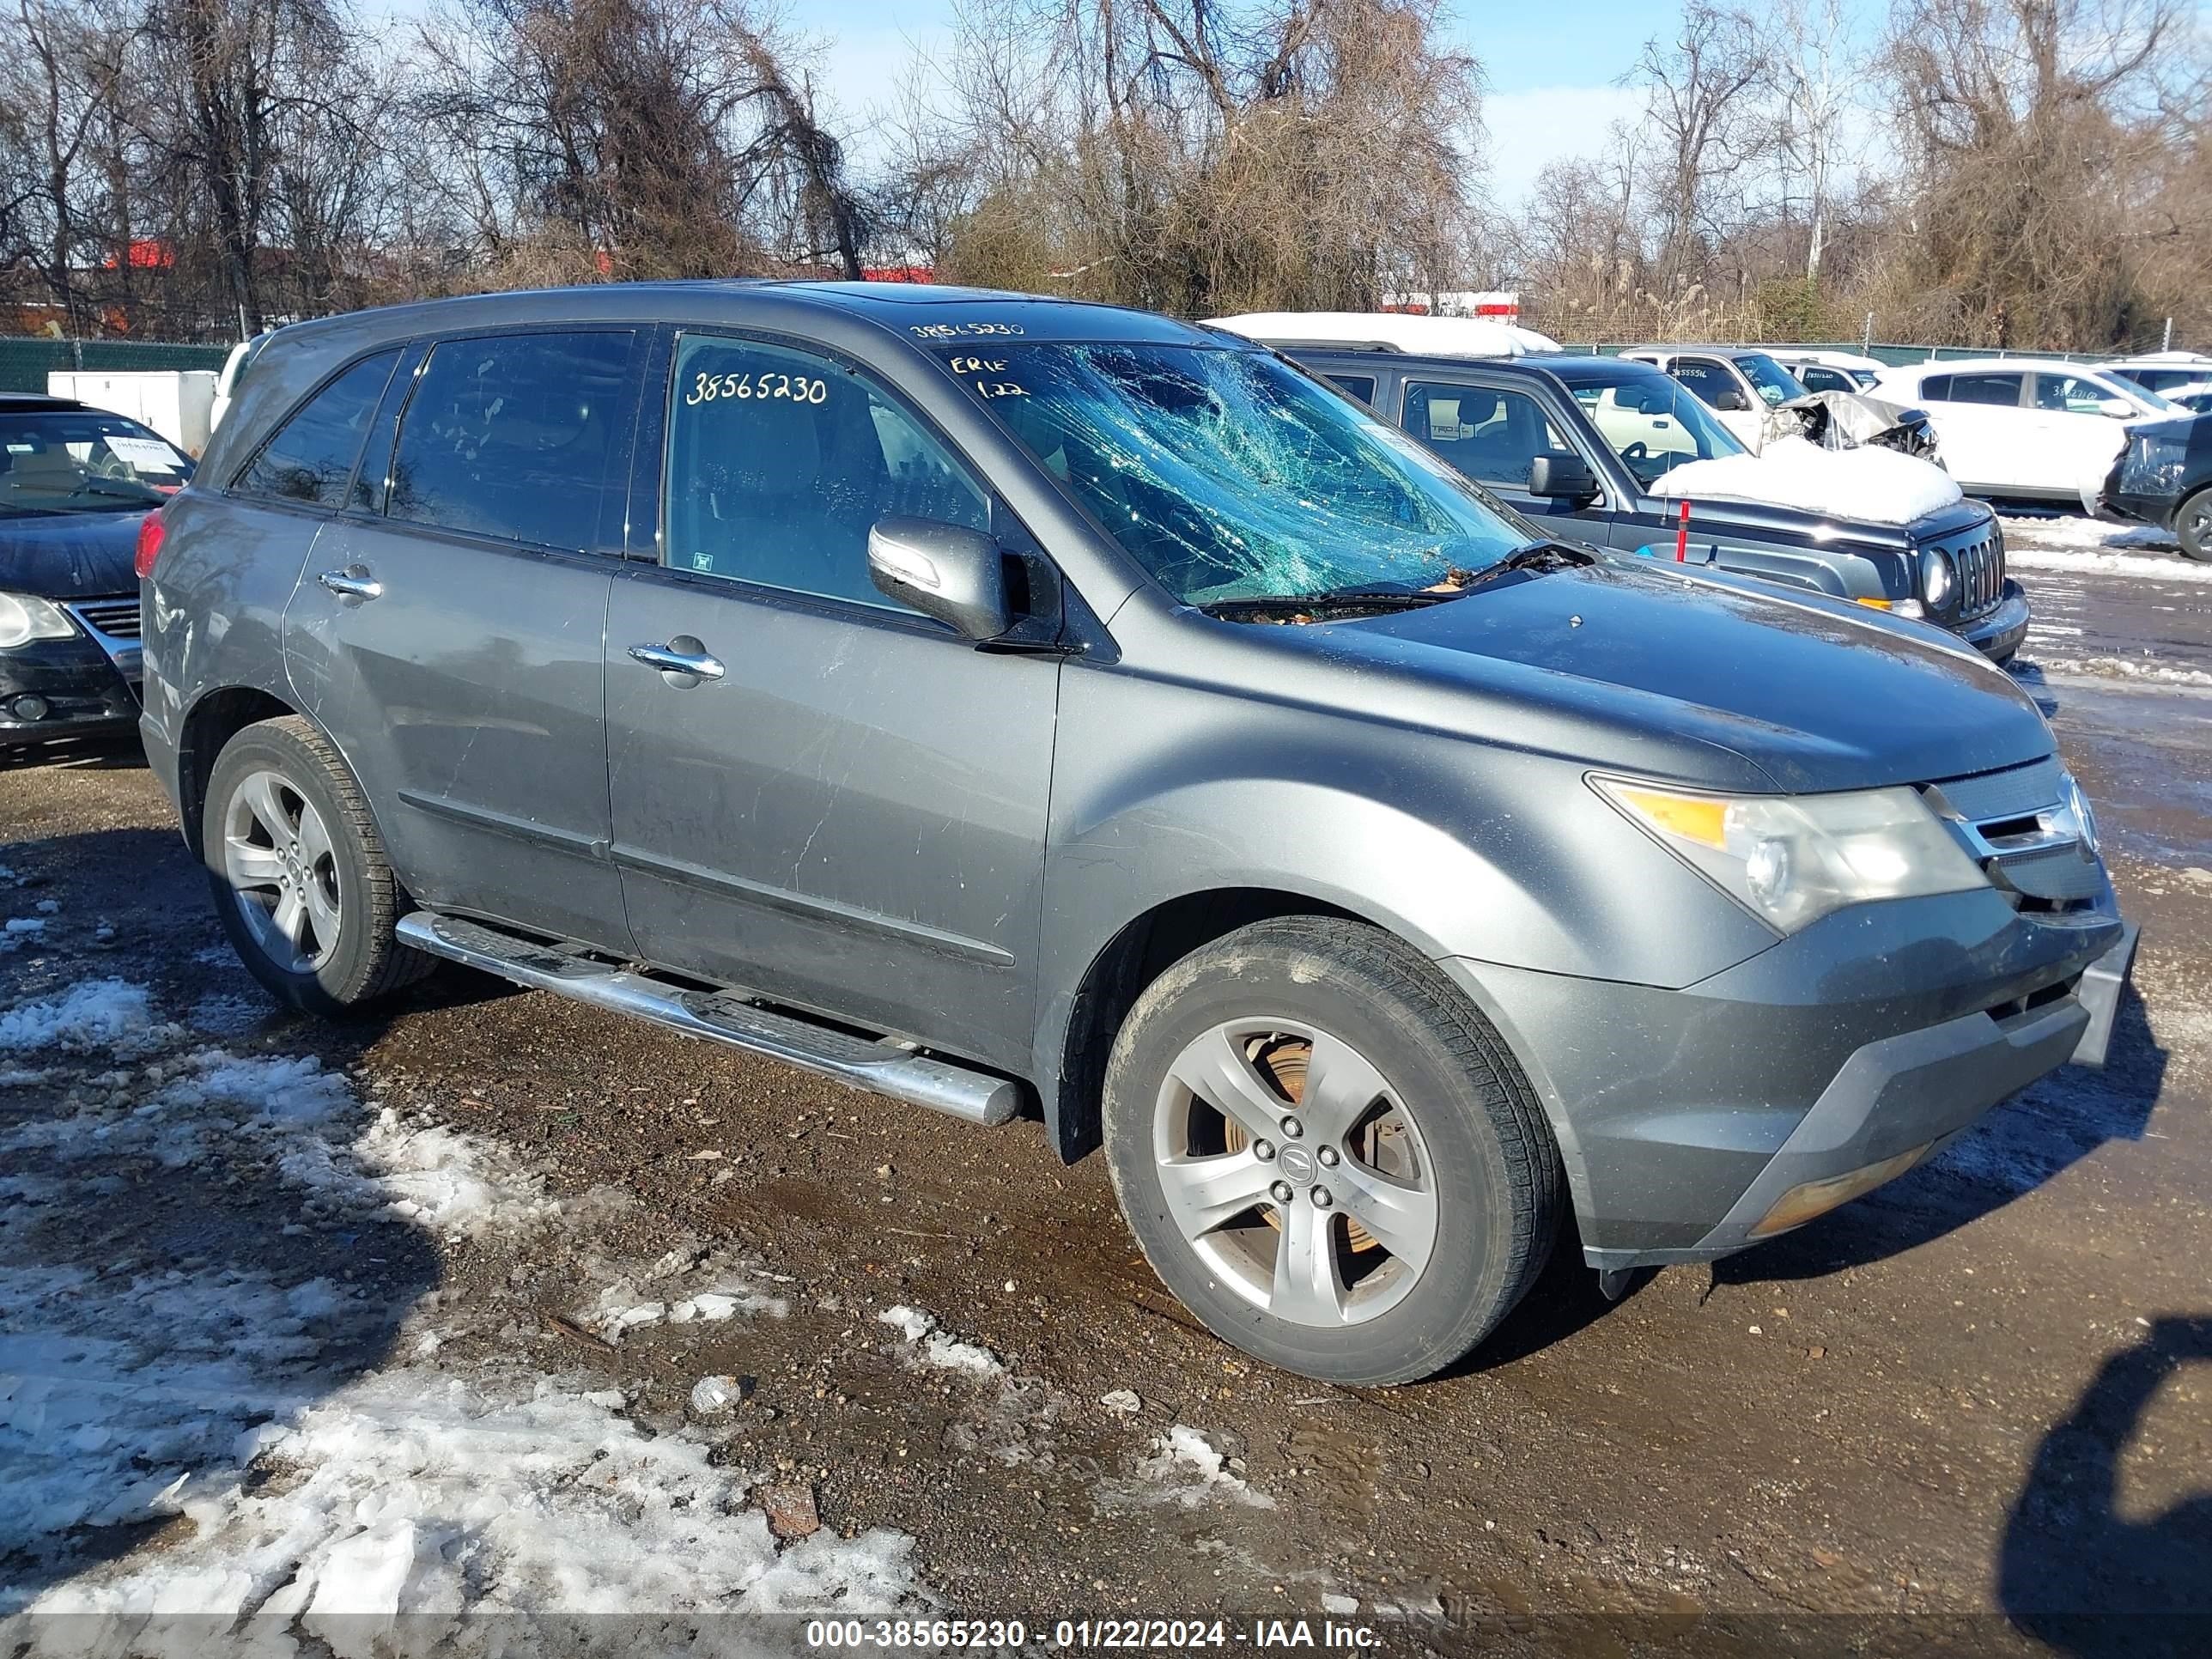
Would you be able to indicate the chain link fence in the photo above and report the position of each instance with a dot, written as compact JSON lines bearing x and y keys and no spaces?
{"x":25,"y":363}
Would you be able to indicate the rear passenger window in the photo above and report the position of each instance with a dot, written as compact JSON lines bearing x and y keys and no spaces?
{"x":780,"y":462}
{"x":311,"y":455}
{"x":1936,"y":387}
{"x":2003,"y":390}
{"x":521,"y":436}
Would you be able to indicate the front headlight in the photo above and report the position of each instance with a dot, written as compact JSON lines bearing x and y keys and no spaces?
{"x":1938,"y":579}
{"x":23,"y":619}
{"x":1790,"y":859}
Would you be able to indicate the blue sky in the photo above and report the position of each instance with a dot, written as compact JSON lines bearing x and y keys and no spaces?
{"x":1551,"y":67}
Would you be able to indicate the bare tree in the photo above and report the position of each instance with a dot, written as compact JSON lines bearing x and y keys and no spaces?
{"x":1818,"y":76}
{"x":1701,"y":90}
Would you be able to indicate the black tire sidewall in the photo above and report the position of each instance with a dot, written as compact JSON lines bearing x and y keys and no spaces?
{"x":2201,"y":505}
{"x":351,"y":969}
{"x":1475,"y":1271}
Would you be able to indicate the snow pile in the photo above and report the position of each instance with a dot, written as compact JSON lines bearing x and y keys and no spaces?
{"x":417,"y":1497}
{"x":207,"y":1262}
{"x":99,"y":1013}
{"x":929,"y":1347}
{"x":2066,"y":531}
{"x":2145,"y":671}
{"x":1876,"y":486}
{"x":1185,"y":1470}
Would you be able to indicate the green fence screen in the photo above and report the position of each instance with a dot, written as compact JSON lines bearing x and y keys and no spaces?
{"x":25,"y":363}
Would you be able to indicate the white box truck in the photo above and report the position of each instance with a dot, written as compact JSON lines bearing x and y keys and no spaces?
{"x":177,"y":402}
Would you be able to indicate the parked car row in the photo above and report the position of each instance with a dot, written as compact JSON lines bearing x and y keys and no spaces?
{"x":1024,"y":708}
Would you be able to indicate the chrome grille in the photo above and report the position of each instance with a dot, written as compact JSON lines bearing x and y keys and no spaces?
{"x":117,"y":618}
{"x":2020,"y":828}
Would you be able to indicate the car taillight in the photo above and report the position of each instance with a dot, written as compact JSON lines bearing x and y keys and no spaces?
{"x":150,"y":545}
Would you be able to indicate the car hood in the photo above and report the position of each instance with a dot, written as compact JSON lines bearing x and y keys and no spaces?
{"x":69,"y":555}
{"x":1810,"y":694}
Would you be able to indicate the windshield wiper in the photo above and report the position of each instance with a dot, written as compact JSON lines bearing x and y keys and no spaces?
{"x":1335,"y":598}
{"x":136,"y":493}
{"x":1536,"y":555}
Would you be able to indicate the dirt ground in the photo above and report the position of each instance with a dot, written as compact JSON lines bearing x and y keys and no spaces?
{"x":1972,"y":1411}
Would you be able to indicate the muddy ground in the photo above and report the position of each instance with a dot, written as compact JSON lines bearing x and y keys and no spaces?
{"x":1971,"y":1412}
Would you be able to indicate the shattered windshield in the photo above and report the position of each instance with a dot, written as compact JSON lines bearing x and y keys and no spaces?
{"x":1231,"y":477}
{"x":1653,"y":422}
{"x":1774,"y":384}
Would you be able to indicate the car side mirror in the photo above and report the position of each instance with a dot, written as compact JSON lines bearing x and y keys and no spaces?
{"x":2119,"y":408}
{"x":1562,"y":478}
{"x":1729,"y":401}
{"x":947,"y":571}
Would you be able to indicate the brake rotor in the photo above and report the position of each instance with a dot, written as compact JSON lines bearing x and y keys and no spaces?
{"x":1282,"y":1060}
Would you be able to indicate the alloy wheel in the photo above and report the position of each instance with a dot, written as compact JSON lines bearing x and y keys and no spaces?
{"x":282,"y":870}
{"x":1293,"y":1169}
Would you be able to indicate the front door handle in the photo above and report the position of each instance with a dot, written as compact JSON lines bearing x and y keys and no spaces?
{"x":697,"y":662}
{"x":352,"y":584}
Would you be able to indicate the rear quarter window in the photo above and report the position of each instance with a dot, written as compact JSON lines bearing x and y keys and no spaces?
{"x":311,"y":455}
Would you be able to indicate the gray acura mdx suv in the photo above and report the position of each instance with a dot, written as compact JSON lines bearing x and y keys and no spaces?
{"x":1016,"y":706}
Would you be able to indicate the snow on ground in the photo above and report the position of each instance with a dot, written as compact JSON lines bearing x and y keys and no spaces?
{"x":2091,"y":545}
{"x":174,"y":1344}
{"x":1186,"y":1471}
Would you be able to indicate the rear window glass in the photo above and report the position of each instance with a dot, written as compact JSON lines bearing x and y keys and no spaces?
{"x":1361,"y":386}
{"x":2003,"y":390}
{"x":521,"y":436}
{"x":312,"y":456}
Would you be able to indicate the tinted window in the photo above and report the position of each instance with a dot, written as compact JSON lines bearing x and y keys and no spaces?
{"x":1707,"y":379}
{"x":1815,"y":377}
{"x":1361,"y":386}
{"x":1937,"y":386}
{"x":523,"y":436}
{"x":2000,"y":389}
{"x":1490,"y":435}
{"x":779,"y":462}
{"x":311,"y":455}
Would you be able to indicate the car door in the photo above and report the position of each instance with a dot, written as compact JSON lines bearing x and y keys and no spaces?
{"x":846,"y":810}
{"x":2080,"y":440}
{"x":1717,"y":385}
{"x":1493,"y":431}
{"x":1981,"y":430}
{"x":447,"y":632}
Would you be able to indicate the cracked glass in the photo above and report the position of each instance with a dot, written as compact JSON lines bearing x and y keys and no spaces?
{"x":1229,"y":476}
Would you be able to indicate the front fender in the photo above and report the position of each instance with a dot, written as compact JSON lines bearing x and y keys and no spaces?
{"x":1164,"y":794}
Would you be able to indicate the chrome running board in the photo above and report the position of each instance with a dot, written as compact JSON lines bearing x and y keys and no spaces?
{"x":858,"y":1062}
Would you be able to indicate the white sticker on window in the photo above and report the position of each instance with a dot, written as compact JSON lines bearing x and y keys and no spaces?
{"x":145,"y":454}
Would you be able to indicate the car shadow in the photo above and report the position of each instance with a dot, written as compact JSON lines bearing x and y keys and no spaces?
{"x":116,"y":752}
{"x":2052,"y":1125}
{"x":2076,"y":1572}
{"x":187,"y":1249}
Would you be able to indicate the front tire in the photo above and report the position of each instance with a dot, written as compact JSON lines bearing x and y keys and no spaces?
{"x":1326,"y":1153}
{"x":297,"y":874}
{"x":2192,"y":525}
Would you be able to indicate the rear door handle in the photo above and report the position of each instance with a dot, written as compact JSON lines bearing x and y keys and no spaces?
{"x":352,"y":584}
{"x":699,"y":664}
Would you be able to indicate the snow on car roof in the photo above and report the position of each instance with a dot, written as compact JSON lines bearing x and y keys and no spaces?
{"x":1418,"y":336}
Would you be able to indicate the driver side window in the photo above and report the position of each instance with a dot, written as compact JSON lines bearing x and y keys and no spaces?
{"x":779,"y":462}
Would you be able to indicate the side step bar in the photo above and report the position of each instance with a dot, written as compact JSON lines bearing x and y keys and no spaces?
{"x":883,"y":1068}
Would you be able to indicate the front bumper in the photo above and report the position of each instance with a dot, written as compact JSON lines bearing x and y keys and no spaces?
{"x":84,"y":691}
{"x":1998,"y":631}
{"x":1881,"y":1031}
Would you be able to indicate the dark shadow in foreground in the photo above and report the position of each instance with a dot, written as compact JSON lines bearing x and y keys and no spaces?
{"x":2077,"y":1574}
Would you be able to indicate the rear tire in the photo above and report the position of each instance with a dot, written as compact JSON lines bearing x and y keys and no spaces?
{"x":297,"y":874}
{"x":2193,"y":525}
{"x":1328,"y":1153}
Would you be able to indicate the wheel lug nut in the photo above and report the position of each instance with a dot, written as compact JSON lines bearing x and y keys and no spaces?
{"x":1292,"y":1129}
{"x":1321,"y":1199}
{"x":1280,"y":1191}
{"x":1326,"y":1158}
{"x":1263,"y":1150}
